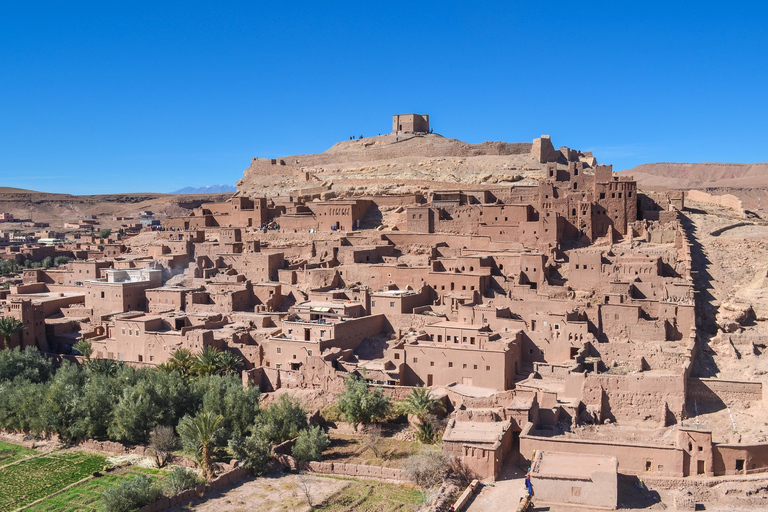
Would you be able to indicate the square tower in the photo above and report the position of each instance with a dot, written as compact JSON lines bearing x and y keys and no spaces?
{"x":410,"y":123}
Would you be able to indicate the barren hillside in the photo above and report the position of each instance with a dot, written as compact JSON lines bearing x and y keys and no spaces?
{"x":701,"y":175}
{"x":394,"y":164}
{"x":59,"y":208}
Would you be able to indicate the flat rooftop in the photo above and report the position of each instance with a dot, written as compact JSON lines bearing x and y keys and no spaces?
{"x":475,"y":431}
{"x":573,"y":465}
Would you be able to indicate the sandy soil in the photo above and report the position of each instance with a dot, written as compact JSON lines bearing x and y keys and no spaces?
{"x":272,"y":493}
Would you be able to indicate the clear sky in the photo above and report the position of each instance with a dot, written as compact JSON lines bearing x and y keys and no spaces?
{"x":129,"y":96}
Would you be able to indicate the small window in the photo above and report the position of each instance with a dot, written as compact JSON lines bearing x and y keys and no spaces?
{"x":450,"y":364}
{"x":279,"y":350}
{"x":431,"y":363}
{"x":123,"y":332}
{"x":464,"y":366}
{"x":487,"y":368}
{"x":739,"y":464}
{"x":475,"y":368}
{"x":278,"y":365}
{"x":391,"y":304}
{"x":397,"y":356}
{"x":648,"y":465}
{"x":309,"y":352}
{"x":373,"y":303}
{"x":415,"y":360}
{"x":130,"y":332}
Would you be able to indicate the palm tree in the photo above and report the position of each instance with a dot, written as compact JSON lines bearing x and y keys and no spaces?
{"x":182,"y":361}
{"x":197,"y":434}
{"x":9,"y":327}
{"x":229,"y":362}
{"x":421,"y":403}
{"x":84,"y":348}
{"x":206,"y":362}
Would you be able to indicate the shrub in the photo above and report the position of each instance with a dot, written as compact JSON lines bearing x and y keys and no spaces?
{"x":426,"y":468}
{"x":253,"y":451}
{"x":162,"y":441}
{"x":311,"y":444}
{"x":130,"y":495}
{"x":180,"y":479}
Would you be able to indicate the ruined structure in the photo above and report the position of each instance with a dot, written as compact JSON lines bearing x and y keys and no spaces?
{"x":550,"y":313}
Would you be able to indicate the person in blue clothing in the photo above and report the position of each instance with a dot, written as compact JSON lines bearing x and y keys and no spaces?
{"x":528,"y":486}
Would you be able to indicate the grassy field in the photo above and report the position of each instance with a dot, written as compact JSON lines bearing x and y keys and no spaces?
{"x":86,"y":497}
{"x":372,"y":496}
{"x":12,"y":452}
{"x":32,"y":479}
{"x":351,"y":449}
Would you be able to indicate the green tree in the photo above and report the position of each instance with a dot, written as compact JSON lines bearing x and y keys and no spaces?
{"x":28,"y":364}
{"x":359,"y":404}
{"x":225,"y":395}
{"x":60,"y":260}
{"x":283,"y":420}
{"x":197,"y":435}
{"x":104,"y":233}
{"x":47,"y":262}
{"x":311,"y":444}
{"x":9,"y":327}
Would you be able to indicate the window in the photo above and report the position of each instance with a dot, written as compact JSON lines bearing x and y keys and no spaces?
{"x":464,"y":366}
{"x":130,"y":332}
{"x":102,"y":295}
{"x":373,"y":303}
{"x":137,"y":332}
{"x":309,"y":352}
{"x":450,"y":364}
{"x":123,"y":331}
{"x":279,"y":350}
{"x":391,"y":304}
{"x":471,"y":340}
{"x":415,"y":360}
{"x":431,"y":363}
{"x":475,"y":368}
{"x":487,"y":368}
{"x":278,"y":366}
{"x":739,"y":464}
{"x":397,"y":356}
{"x":648,"y":465}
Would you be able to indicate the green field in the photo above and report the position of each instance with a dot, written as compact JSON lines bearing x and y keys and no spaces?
{"x":86,"y":497}
{"x":372,"y":496}
{"x":12,"y":452}
{"x":30,"y":480}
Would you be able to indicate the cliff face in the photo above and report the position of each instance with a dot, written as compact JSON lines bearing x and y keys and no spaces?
{"x":400,"y":164}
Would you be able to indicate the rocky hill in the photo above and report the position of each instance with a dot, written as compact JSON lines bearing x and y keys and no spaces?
{"x":400,"y":164}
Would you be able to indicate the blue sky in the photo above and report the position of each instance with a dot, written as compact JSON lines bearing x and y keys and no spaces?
{"x":109,"y":97}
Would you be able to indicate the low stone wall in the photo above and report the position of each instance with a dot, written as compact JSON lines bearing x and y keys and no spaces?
{"x":198,"y":492}
{"x":466,"y":495}
{"x":359,"y":471}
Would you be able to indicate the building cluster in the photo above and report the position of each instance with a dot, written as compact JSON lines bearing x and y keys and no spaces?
{"x":533,"y":309}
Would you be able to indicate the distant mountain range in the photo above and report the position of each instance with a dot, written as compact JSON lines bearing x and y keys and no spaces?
{"x":210,"y":189}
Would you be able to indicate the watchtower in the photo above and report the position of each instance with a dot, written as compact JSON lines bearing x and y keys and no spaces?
{"x":410,"y":123}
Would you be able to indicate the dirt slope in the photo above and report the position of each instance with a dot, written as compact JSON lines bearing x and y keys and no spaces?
{"x":701,"y":175}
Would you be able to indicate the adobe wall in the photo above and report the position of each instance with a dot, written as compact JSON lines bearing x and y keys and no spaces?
{"x":714,"y":390}
{"x":753,"y":457}
{"x":726,"y":200}
{"x":395,"y":475}
{"x":665,"y":460}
